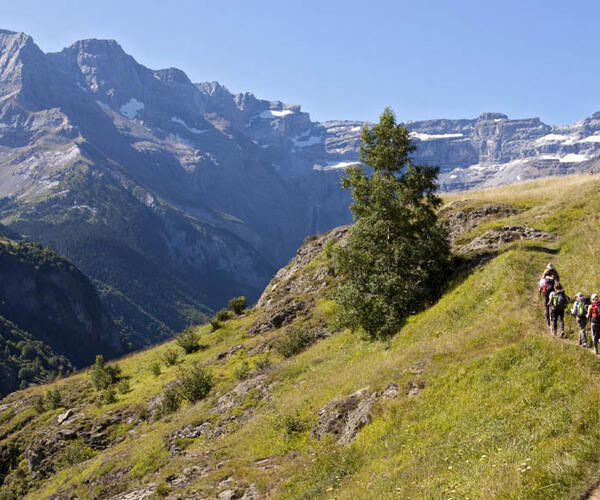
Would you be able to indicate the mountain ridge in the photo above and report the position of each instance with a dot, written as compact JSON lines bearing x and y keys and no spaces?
{"x":188,"y":194}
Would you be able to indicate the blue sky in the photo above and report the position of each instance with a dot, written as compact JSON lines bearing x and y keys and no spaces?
{"x":349,"y":59}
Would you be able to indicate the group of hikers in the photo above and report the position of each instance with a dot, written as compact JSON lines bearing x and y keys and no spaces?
{"x":585,"y":309}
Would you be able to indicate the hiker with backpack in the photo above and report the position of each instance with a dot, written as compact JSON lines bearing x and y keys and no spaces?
{"x":594,"y":316}
{"x":579,"y":312}
{"x":557,"y":302}
{"x":547,"y":281}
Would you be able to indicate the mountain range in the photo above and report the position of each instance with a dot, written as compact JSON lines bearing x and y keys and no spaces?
{"x":174,"y":196}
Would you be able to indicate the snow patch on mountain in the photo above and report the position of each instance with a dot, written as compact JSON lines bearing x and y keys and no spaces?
{"x":131,"y":108}
{"x":434,"y":137}
{"x":573,"y":158}
{"x":274,"y":113}
{"x":191,"y":129}
{"x":331,"y":165}
{"x":306,"y":140}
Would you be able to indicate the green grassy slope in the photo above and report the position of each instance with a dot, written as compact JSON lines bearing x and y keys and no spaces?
{"x":504,"y":410}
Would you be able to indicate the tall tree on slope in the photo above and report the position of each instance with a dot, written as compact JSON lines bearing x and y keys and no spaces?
{"x":397,"y":256}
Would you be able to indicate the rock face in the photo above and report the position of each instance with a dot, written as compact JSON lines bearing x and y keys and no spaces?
{"x":496,"y":237}
{"x":458,"y":220}
{"x":277,"y":302}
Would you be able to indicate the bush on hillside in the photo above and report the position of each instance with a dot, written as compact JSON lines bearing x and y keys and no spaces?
{"x":155,"y":368}
{"x":53,"y":398}
{"x":243,"y":371}
{"x":103,"y":375}
{"x":170,"y":357}
{"x":188,"y":340}
{"x":238,"y":304}
{"x":170,"y":400}
{"x":293,"y":341}
{"x":194,"y":383}
{"x":223,"y":315}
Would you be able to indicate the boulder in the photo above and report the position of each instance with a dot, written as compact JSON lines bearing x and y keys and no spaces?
{"x":344,"y":417}
{"x":63,"y":417}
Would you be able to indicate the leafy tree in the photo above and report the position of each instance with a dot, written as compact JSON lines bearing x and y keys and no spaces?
{"x":397,"y":255}
{"x":238,"y":304}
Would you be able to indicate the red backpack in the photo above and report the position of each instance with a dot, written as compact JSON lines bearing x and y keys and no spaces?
{"x":595,"y":310}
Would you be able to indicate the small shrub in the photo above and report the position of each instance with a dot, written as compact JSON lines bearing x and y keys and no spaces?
{"x":170,"y":357}
{"x":109,"y":395}
{"x":262,"y":363}
{"x":195,"y":383}
{"x":223,"y":315}
{"x":123,"y":386}
{"x":163,"y":490}
{"x":103,"y":375}
{"x":53,"y":398}
{"x":293,"y":424}
{"x":155,"y":368}
{"x":188,"y":340}
{"x":170,"y":400}
{"x":74,"y":453}
{"x":293,"y":341}
{"x":38,"y":404}
{"x":238,"y":304}
{"x":215,"y":324}
{"x":243,"y":371}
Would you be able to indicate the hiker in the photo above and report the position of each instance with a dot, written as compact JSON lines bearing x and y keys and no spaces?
{"x":593,"y":314}
{"x":557,"y":302}
{"x":547,"y":281}
{"x":579,"y":312}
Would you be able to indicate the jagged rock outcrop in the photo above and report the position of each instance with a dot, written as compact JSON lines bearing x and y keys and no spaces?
{"x":494,"y":238}
{"x":459,"y":218}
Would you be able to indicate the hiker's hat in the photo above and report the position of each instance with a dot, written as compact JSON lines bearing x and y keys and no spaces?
{"x":594,"y":296}
{"x":550,"y":266}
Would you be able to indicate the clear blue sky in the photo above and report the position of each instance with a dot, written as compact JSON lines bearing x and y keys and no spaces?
{"x":348,"y":59}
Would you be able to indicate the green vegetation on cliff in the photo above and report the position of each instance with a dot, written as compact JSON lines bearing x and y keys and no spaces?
{"x":470,"y":399}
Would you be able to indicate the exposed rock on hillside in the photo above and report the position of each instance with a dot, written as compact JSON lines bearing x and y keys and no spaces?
{"x":279,"y":301}
{"x":459,"y":218}
{"x":494,"y":238}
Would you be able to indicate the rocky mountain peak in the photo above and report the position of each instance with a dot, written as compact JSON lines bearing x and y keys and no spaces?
{"x":172,"y":76}
{"x":491,"y":116}
{"x":17,"y":53}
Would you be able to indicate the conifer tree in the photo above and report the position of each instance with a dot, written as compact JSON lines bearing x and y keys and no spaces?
{"x":397,"y":256}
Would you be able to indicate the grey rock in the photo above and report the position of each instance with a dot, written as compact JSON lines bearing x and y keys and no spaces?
{"x":33,"y":459}
{"x":230,"y":351}
{"x":335,"y":416}
{"x":392,"y":391}
{"x":251,"y":493}
{"x":63,"y":417}
{"x":496,"y":237}
{"x":320,"y":333}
